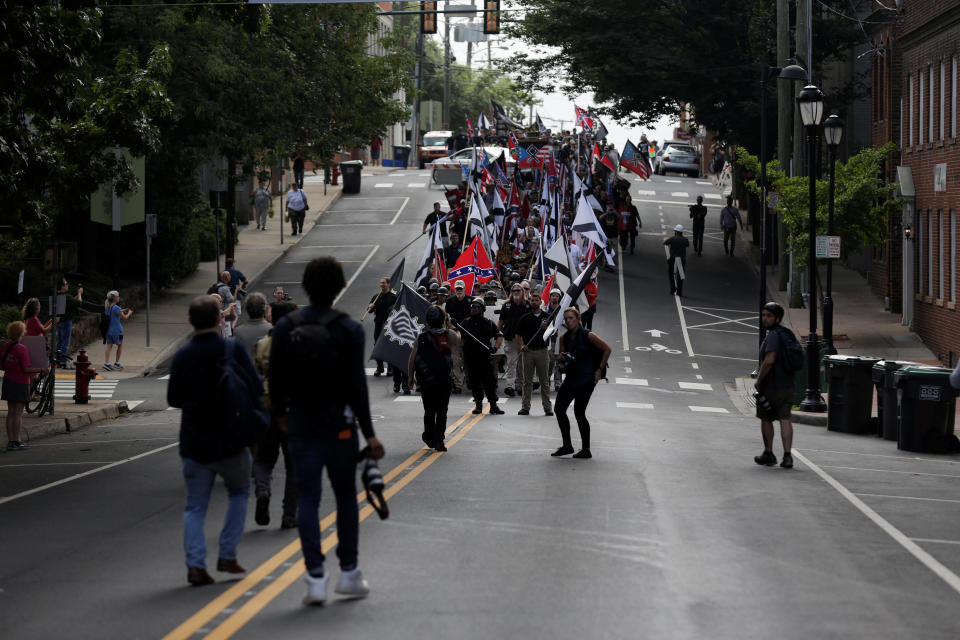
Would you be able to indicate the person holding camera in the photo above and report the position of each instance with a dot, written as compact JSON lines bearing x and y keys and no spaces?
{"x":481,"y":340}
{"x":114,"y":333}
{"x":775,"y":389}
{"x":583,"y":359}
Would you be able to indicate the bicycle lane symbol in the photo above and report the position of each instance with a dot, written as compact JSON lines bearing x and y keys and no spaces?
{"x":658,"y":347}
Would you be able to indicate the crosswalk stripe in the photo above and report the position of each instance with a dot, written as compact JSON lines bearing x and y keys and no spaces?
{"x":414,"y":185}
{"x":640,"y":382}
{"x":702,"y":386}
{"x":646,"y":193}
{"x":708,"y":409}
{"x":674,"y":181}
{"x":634,"y":405}
{"x":716,"y":196}
{"x":680,"y":194}
{"x":383,"y":185}
{"x":407,"y":399}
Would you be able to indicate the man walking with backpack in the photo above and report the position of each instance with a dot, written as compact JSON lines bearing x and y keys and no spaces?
{"x":318,"y":393}
{"x":780,"y":357}
{"x":429,"y":368}
{"x":209,"y":448}
{"x":729,"y":217}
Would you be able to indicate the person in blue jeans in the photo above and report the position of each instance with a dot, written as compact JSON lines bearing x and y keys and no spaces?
{"x":320,"y":413}
{"x":65,"y":322}
{"x":204,"y":452}
{"x":114,"y":336}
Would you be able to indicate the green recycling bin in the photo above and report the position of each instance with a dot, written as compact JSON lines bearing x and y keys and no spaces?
{"x":887,"y":410}
{"x":800,"y":377}
{"x":351,"y":170}
{"x":850,"y":399}
{"x":927,"y":404}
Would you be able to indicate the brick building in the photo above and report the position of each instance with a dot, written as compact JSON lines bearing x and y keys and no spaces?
{"x":915,"y":87}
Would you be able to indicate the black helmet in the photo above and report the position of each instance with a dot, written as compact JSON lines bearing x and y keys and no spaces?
{"x":434,"y":285}
{"x":422,"y":290}
{"x":433,"y":281}
{"x":490,"y":294}
{"x":775,"y":309}
{"x":443,"y":291}
{"x":434,"y":317}
{"x":477,"y":302}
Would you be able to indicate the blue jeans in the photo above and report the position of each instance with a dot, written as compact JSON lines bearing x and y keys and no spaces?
{"x":199,"y":478}
{"x":310,"y":456}
{"x":64,"y":328}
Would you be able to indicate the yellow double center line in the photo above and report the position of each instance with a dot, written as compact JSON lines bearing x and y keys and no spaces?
{"x":242,"y":615}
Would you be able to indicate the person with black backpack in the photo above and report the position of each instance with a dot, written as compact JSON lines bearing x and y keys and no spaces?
{"x":430,"y":364}
{"x":213,"y":381}
{"x":780,"y":357}
{"x":583,"y":359}
{"x":318,"y":394}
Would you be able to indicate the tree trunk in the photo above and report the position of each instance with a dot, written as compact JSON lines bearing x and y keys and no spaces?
{"x":231,"y":206}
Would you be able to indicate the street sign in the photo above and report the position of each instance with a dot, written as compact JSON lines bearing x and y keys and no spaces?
{"x":118,"y":212}
{"x":828,"y":247}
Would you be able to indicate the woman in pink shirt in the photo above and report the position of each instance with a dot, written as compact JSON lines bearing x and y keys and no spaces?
{"x":31,"y":311}
{"x":15,"y":362}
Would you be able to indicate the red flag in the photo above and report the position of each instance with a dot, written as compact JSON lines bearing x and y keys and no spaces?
{"x":545,"y":294}
{"x":465,"y":267}
{"x":439,"y":267}
{"x":583,"y":119}
{"x":607,"y":162}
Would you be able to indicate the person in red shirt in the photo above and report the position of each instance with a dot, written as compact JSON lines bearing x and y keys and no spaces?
{"x":375,"y":146}
{"x":31,"y":311}
{"x":15,"y":362}
{"x":629,"y":225}
{"x":591,"y":292}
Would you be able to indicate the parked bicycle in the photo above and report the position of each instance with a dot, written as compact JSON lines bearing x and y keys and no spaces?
{"x":41,"y":391}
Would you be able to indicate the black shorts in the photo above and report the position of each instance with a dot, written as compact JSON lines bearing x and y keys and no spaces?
{"x":15,"y":391}
{"x":781,"y":400}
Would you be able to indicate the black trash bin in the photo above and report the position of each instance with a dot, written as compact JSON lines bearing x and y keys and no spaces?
{"x":351,"y":170}
{"x":887,"y":410}
{"x":401,"y":155}
{"x":927,"y":404}
{"x":850,"y":398}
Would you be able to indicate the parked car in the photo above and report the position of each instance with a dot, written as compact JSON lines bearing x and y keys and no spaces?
{"x":677,"y":156}
{"x":465,"y":156}
{"x":434,"y":146}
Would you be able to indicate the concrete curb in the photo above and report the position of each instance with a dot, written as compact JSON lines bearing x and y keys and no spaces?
{"x":167,"y":352}
{"x":57,"y":426}
{"x":804,"y":417}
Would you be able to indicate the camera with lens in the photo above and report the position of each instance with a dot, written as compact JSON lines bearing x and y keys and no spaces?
{"x":762,"y":402}
{"x":566,"y":361}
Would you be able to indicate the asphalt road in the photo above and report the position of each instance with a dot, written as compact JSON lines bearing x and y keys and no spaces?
{"x":671,"y":531}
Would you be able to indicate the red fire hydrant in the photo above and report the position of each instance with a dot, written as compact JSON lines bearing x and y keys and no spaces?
{"x":84,"y":374}
{"x":335,"y":174}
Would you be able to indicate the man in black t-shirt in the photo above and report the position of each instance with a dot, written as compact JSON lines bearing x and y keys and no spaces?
{"x":510,"y":313}
{"x":678,"y":250}
{"x":776,"y":388}
{"x":433,"y":218}
{"x":698,"y":213}
{"x":533,"y":355}
{"x":380,"y":305}
{"x":481,"y":339}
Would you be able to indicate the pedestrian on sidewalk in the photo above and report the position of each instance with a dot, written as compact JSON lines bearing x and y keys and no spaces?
{"x":381,"y":304}
{"x":698,"y":213}
{"x":206,"y":450}
{"x":71,"y":309}
{"x":729,"y":218}
{"x":775,"y":387}
{"x":321,"y":412}
{"x":256,"y":326}
{"x":114,"y":335}
{"x":297,"y":206}
{"x":677,"y":273}
{"x":262,"y":199}
{"x":228,"y":304}
{"x":429,"y":368}
{"x":298,"y":167}
{"x":481,"y":340}
{"x":533,"y":353}
{"x":15,"y":362}
{"x":274,"y":441}
{"x":583,"y":356}
{"x":31,"y":319}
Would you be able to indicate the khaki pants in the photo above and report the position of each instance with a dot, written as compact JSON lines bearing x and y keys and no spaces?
{"x":536,"y":360}
{"x":456,"y":353}
{"x":513,"y":371}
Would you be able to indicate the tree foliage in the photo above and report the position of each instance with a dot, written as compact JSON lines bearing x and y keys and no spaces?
{"x":649,"y":58}
{"x":862,"y":200}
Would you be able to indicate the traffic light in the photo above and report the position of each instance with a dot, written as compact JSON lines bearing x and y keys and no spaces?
{"x":491,"y":16}
{"x":428,"y":19}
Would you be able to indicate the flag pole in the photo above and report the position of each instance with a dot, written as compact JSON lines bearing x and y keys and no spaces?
{"x":404,"y":247}
{"x":379,"y":293}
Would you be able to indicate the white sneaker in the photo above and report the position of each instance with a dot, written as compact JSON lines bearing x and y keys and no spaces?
{"x":351,"y":583}
{"x":316,"y":589}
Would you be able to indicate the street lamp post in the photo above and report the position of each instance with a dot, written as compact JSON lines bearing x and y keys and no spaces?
{"x":832,"y":132}
{"x":810,"y":102}
{"x":791,"y":72}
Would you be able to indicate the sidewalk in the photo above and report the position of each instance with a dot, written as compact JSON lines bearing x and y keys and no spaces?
{"x":68,"y":417}
{"x":861,"y":326}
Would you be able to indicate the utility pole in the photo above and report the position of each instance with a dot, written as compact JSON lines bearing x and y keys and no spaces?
{"x":784,"y":113}
{"x":801,"y":42}
{"x":469,"y":53}
{"x":489,"y":54}
{"x":446,"y":69}
{"x":415,"y":134}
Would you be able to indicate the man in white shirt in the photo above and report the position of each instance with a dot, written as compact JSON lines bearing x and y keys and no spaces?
{"x":296,"y":207}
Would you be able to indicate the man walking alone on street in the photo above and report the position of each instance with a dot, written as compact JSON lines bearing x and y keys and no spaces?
{"x":698,"y":213}
{"x":678,"y":251}
{"x":775,"y":387}
{"x":321,"y":412}
{"x":729,"y":218}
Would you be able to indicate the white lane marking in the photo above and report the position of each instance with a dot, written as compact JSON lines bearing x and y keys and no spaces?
{"x":628,"y":370}
{"x":400,"y":210}
{"x":407,"y":399}
{"x":683,"y":320}
{"x":699,"y":377}
{"x":679,"y":194}
{"x":626,"y":358}
{"x":708,"y":409}
{"x":369,"y":370}
{"x":634,"y":405}
{"x":383,"y":185}
{"x":57,"y":483}
{"x":702,"y":386}
{"x":646,"y":193}
{"x":912,"y":547}
{"x":674,"y":181}
{"x":423,"y":175}
{"x":712,"y":195}
{"x":414,"y":185}
{"x":336,"y":246}
{"x":370,"y":198}
{"x":51,"y":464}
{"x":742,"y":333}
{"x":881,"y":455}
{"x":935,"y":540}
{"x":694,"y":365}
{"x":638,"y":382}
{"x":356,"y":224}
{"x":718,"y":309}
{"x":706,"y":355}
{"x":86,"y":442}
{"x":883,"y":495}
{"x":623,"y":308}
{"x":722,"y":320}
{"x":355,"y":274}
{"x":905,"y":473}
{"x":702,"y":182}
{"x":166,"y":377}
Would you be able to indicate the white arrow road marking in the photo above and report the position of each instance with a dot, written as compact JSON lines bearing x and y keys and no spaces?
{"x":656,"y":333}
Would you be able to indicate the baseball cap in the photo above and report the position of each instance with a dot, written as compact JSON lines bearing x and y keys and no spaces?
{"x":459,"y":285}
{"x":679,"y":227}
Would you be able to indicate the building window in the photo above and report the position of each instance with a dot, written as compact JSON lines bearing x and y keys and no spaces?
{"x":953,"y":255}
{"x":941,"y":255}
{"x":909,"y":93}
{"x":920,"y":110}
{"x":921,"y":227}
{"x":943,"y":99}
{"x":929,"y":253}
{"x":953,"y":98}
{"x":933,"y":95}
